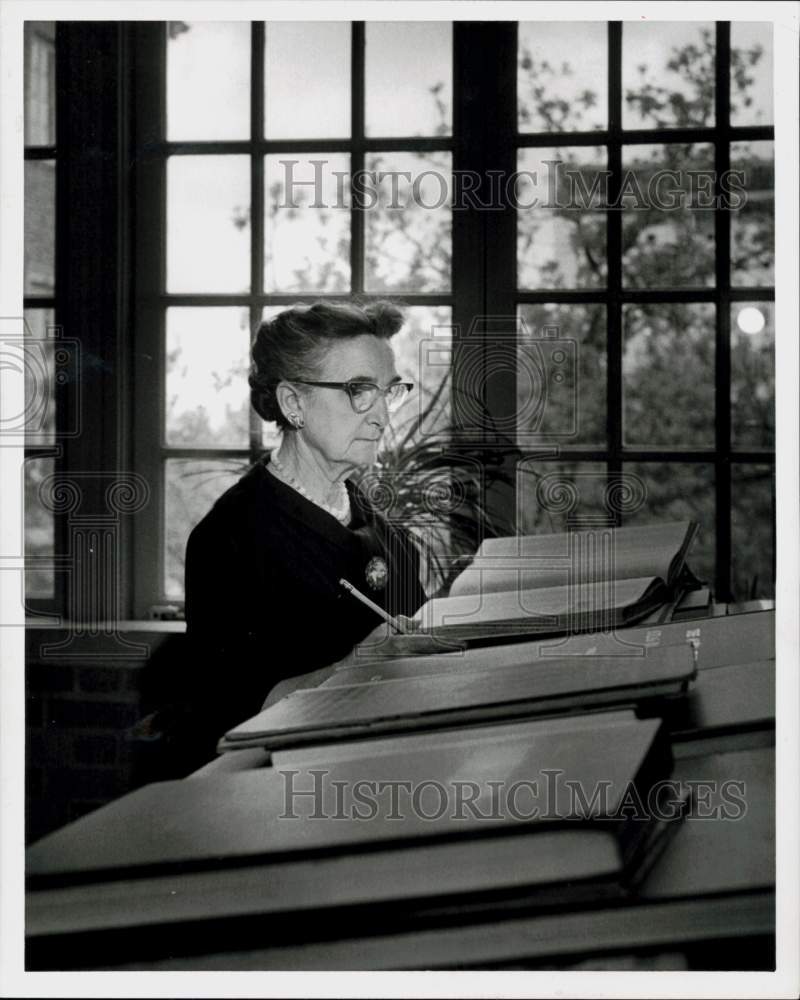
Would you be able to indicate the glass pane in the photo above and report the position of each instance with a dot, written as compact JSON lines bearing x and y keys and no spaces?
{"x":680,"y":492}
{"x":208,"y":80}
{"x":207,"y":362}
{"x":39,"y":530}
{"x":40,"y":221}
{"x":753,"y":374}
{"x":409,"y":78}
{"x":668,"y":222}
{"x":310,"y":59}
{"x":753,"y":214}
{"x":667,"y":74}
{"x":561,"y":221}
{"x":668,"y":375}
{"x":751,"y":73}
{"x":39,"y":365}
{"x":307,"y":224}
{"x":408,"y":224}
{"x":561,"y":382}
{"x":208,"y":224}
{"x":269,"y":311}
{"x":40,"y":83}
{"x":551,"y":492}
{"x":562,"y":76}
{"x":423,"y":353}
{"x":753,"y":531}
{"x":191,"y":488}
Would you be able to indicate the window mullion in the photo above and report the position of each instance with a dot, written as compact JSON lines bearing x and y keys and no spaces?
{"x":257,"y":101}
{"x":484,"y":243}
{"x":722,"y":354}
{"x":148,"y":278}
{"x":614,"y":346}
{"x":357,"y":98}
{"x":91,"y":189}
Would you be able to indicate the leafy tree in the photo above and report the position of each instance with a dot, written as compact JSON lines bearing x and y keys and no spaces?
{"x":669,"y":348}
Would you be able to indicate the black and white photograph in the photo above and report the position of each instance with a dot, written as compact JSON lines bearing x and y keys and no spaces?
{"x":399,"y":446}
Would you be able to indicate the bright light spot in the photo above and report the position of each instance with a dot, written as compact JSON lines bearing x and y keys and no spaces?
{"x":750,"y":320}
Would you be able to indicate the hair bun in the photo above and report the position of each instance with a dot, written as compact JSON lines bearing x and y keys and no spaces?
{"x":387,"y":318}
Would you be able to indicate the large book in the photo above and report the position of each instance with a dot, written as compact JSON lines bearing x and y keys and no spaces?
{"x":520,"y":777}
{"x":540,"y":562}
{"x":579,"y":581}
{"x":712,"y":878}
{"x":719,"y":639}
{"x":644,"y":938}
{"x":106,"y":921}
{"x":536,"y":815}
{"x":551,"y":685}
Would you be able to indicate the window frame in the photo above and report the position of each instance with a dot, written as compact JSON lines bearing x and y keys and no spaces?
{"x":484,"y":265}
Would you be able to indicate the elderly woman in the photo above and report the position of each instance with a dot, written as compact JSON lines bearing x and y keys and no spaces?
{"x":263,"y":599}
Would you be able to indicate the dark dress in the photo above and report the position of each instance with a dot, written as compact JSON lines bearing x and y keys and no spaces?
{"x":263,"y":600}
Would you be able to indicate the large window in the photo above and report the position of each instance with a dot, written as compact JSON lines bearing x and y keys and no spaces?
{"x":276,"y":162}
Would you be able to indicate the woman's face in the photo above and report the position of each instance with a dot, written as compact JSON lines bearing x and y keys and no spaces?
{"x":340,"y":436}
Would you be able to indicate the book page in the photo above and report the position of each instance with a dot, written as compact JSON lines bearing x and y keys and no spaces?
{"x":547,"y":603}
{"x":530,"y":562}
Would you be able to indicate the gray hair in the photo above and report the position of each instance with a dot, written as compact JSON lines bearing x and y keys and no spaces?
{"x":293,"y":344}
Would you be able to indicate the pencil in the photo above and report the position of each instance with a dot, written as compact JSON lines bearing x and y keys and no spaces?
{"x":374,"y":607}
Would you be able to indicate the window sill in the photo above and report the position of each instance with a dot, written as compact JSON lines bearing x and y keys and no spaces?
{"x":107,"y":628}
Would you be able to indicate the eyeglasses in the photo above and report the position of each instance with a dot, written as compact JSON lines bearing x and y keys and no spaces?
{"x":363,"y":394}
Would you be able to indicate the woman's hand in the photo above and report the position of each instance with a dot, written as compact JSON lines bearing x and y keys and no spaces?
{"x":385,"y":631}
{"x":384,"y":641}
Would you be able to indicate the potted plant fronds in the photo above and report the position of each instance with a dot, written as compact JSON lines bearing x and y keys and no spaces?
{"x":442,"y":483}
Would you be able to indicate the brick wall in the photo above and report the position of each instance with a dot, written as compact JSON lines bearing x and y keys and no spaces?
{"x":83,"y":745}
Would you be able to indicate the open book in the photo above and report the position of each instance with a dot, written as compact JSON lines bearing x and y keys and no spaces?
{"x":574,"y":582}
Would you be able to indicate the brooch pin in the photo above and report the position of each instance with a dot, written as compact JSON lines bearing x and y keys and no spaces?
{"x":376,"y":573}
